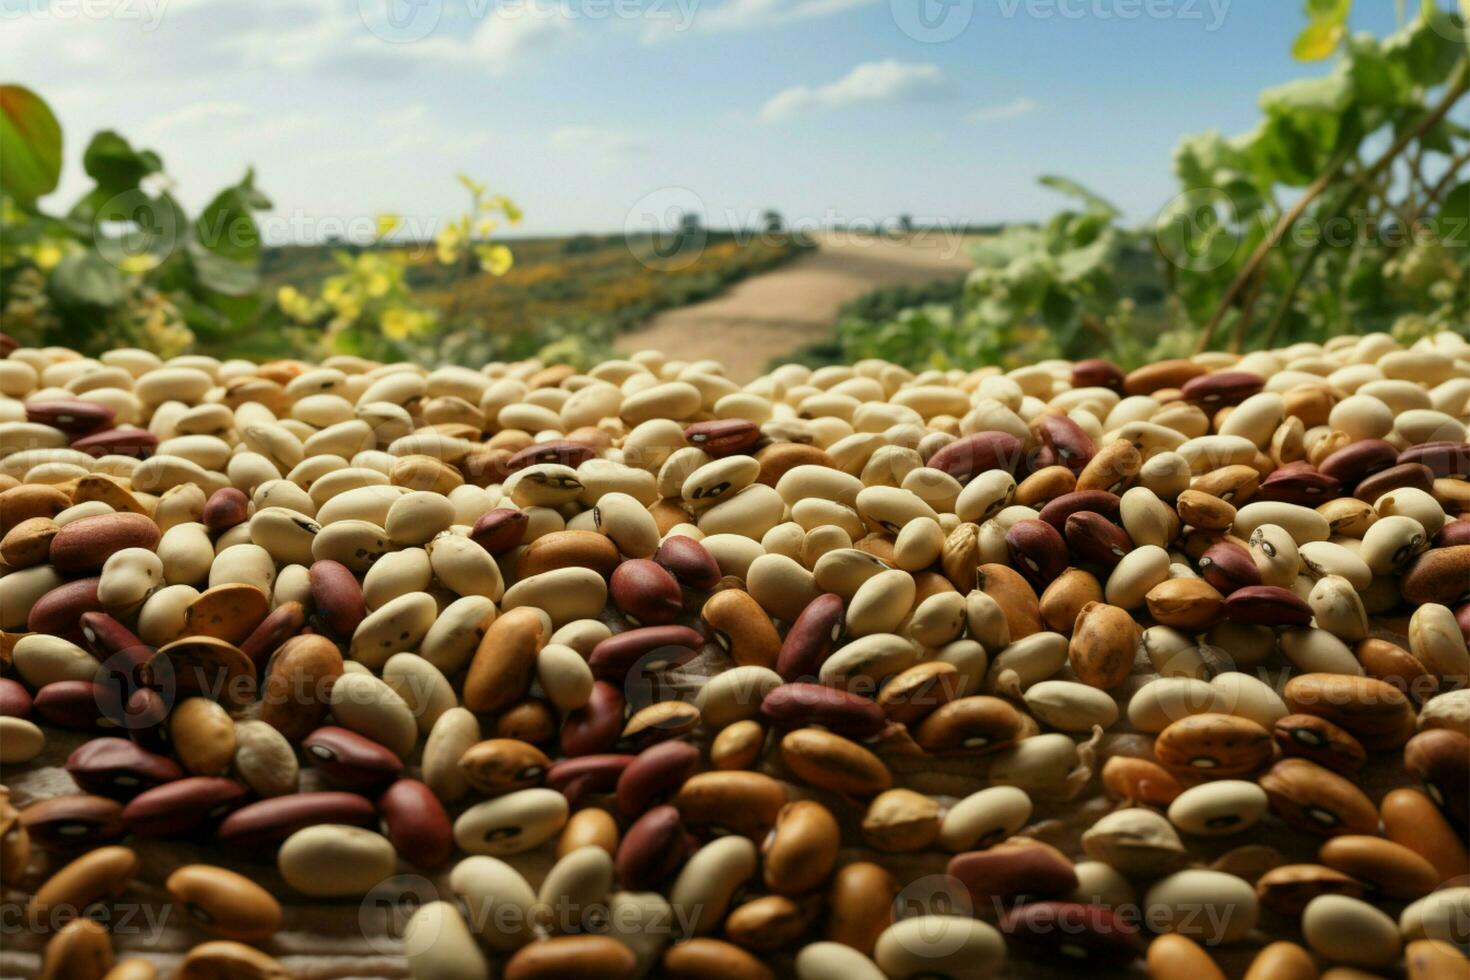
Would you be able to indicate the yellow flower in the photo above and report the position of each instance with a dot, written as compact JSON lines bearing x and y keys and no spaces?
{"x":387,"y":223}
{"x":495,"y":259}
{"x":46,"y":256}
{"x":485,"y":226}
{"x":378,"y":285}
{"x":449,"y":244}
{"x":397,"y":324}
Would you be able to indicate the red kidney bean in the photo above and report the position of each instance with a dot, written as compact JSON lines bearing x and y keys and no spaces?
{"x":1075,"y":933}
{"x":1005,"y":872}
{"x":1222,"y":388}
{"x":349,"y":759}
{"x":594,"y":728}
{"x":799,"y":705}
{"x":182,"y":806}
{"x":655,"y":773}
{"x":1037,"y":551}
{"x":646,"y":593}
{"x":1058,"y":509}
{"x":1397,"y":477}
{"x":71,"y":415}
{"x":970,"y":455}
{"x":645,"y":648}
{"x":266,"y":823}
{"x":652,"y":849}
{"x":417,"y":824}
{"x":1228,"y":567}
{"x":1350,"y":464}
{"x":118,"y":442}
{"x":1452,"y":534}
{"x":15,"y":700}
{"x":1094,"y":538}
{"x":811,"y":638}
{"x":80,"y":705}
{"x":1072,"y":446}
{"x":117,"y":647}
{"x":1444,"y":459}
{"x":118,"y":768}
{"x":284,"y":622}
{"x":337,"y":596}
{"x":79,"y":821}
{"x":1097,"y":373}
{"x":1303,"y":485}
{"x":145,"y":716}
{"x":225,"y":508}
{"x":500,"y":530}
{"x":1267,"y":605}
{"x":81,"y":547}
{"x":59,"y":612}
{"x":562,"y":451}
{"x":578,"y":777}
{"x":723,"y":437}
{"x":689,"y":562}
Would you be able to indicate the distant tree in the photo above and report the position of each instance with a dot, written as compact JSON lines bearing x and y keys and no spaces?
{"x":771,"y":218}
{"x":906,"y":223}
{"x":689,"y":223}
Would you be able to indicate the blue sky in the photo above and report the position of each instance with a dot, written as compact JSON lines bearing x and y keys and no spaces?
{"x":588,"y":112}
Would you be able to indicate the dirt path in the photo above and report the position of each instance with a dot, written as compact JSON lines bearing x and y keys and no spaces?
{"x":771,"y":315}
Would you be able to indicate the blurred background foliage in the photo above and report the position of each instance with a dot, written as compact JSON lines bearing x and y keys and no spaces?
{"x":1346,"y":208}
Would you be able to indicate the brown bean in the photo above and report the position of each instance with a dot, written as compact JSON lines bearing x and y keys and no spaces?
{"x":712,"y":959}
{"x":505,"y":661}
{"x":979,"y":723}
{"x":568,"y":549}
{"x":81,"y":950}
{"x":572,"y":958}
{"x":1393,"y":869}
{"x":799,"y":705}
{"x":182,"y":806}
{"x":1317,"y":800}
{"x":743,"y":629}
{"x":801,"y":851}
{"x":298,"y":684}
{"x":1373,"y":711}
{"x":1103,"y":645}
{"x":738,"y":802}
{"x":1074,"y":933}
{"x":1319,"y":740}
{"x":336,"y":595}
{"x":1438,"y":757}
{"x":1218,"y":746}
{"x":832,"y":762}
{"x":1289,"y":888}
{"x":500,"y":530}
{"x":225,"y":903}
{"x":1410,"y":818}
{"x":99,"y":874}
{"x":225,"y":959}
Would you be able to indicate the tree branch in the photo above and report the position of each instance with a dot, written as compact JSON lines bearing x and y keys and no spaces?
{"x":1456,"y":88}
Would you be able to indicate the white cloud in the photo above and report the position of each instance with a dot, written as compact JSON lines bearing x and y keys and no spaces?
{"x":198,"y":113}
{"x":595,"y":141}
{"x":870,"y":83}
{"x":744,"y":15}
{"x":1014,"y":109}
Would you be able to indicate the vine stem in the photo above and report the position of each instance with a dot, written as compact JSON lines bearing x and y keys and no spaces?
{"x":1456,"y":88}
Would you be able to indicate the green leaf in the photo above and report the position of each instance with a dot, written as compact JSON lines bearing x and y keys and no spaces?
{"x":1377,"y":79}
{"x":226,"y":228}
{"x":1429,"y":47}
{"x":86,"y":281}
{"x":115,"y":165}
{"x":30,"y":145}
{"x":1318,"y":40}
{"x":1065,"y":185}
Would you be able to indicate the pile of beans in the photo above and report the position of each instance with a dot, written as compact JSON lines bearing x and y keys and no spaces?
{"x":1191,"y":638}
